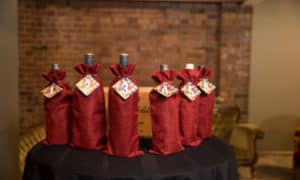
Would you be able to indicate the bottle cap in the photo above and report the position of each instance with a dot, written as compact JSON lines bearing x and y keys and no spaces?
{"x":89,"y":59}
{"x":189,"y":66}
{"x":124,"y":59}
{"x":164,"y":67}
{"x":55,"y":66}
{"x":202,"y":66}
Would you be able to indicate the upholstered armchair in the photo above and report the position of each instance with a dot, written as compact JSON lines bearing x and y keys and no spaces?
{"x":243,"y":141}
{"x":27,"y":141}
{"x":242,"y":137}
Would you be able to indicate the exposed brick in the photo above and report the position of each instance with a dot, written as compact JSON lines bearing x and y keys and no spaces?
{"x":235,"y":55}
{"x":60,"y":31}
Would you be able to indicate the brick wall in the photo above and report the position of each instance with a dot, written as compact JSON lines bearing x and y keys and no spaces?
{"x":59,"y":31}
{"x":235,"y":43}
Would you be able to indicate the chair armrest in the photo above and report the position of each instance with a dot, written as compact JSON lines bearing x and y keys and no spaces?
{"x":243,"y":140}
{"x":243,"y":143}
{"x":251,"y":129}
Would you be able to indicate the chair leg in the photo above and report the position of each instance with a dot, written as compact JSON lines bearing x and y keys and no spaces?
{"x":252,"y":170}
{"x":255,"y":159}
{"x":253,"y":165}
{"x":295,"y":170}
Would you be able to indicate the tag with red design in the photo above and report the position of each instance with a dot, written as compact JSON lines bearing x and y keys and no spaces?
{"x":87,"y":85}
{"x":51,"y":90}
{"x":125,"y":88}
{"x":166,"y":89}
{"x":206,"y":86}
{"x":190,"y":91}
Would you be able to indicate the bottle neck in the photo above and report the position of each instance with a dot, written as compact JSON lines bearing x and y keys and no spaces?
{"x":55,"y":67}
{"x":89,"y":59}
{"x":164,"y":67}
{"x":123,"y":60}
{"x":189,"y":66}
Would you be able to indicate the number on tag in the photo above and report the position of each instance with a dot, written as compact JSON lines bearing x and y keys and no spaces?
{"x":125,"y":88}
{"x":51,"y":90}
{"x":190,"y":91}
{"x":206,"y":86}
{"x":166,"y":89}
{"x":87,"y":85}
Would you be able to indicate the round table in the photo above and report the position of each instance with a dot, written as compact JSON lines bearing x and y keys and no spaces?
{"x":212,"y":160}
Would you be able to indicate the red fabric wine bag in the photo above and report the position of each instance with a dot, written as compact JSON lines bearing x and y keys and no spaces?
{"x":206,"y":107}
{"x":188,"y":110}
{"x":123,"y":138}
{"x":88,"y":124}
{"x":58,"y":110}
{"x":165,"y":118}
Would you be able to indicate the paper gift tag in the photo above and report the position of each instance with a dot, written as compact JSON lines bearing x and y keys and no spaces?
{"x":166,"y":89}
{"x":87,"y":85}
{"x":51,"y":90}
{"x":206,"y":86}
{"x":190,"y":91}
{"x":125,"y":88}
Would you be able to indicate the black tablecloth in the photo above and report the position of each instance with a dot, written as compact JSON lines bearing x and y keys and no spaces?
{"x":212,"y":160}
